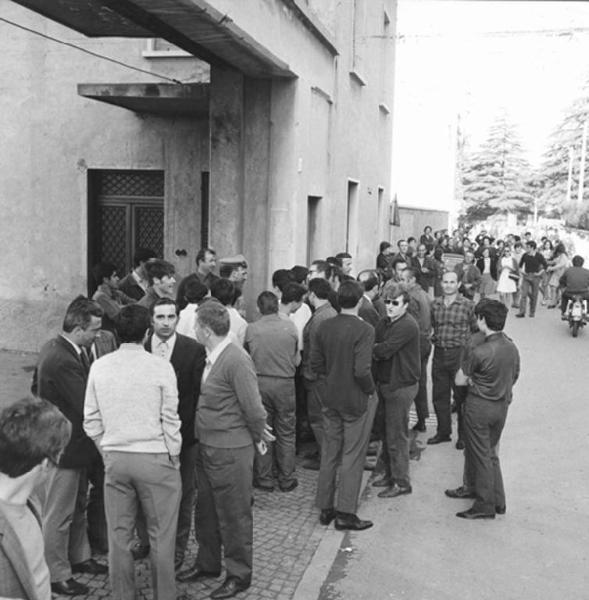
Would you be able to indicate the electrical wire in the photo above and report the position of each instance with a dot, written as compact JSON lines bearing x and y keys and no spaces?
{"x":90,"y":52}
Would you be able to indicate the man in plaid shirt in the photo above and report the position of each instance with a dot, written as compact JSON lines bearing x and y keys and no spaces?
{"x":453,"y":320}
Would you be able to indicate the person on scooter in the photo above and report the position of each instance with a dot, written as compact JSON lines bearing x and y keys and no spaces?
{"x":575,"y":281}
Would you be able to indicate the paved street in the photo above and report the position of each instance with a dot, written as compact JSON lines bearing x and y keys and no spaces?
{"x":418,"y":549}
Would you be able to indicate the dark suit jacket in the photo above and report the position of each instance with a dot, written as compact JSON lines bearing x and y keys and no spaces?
{"x":343,"y":354}
{"x":188,"y":360}
{"x":129,"y":286}
{"x":16,"y":579}
{"x":425,"y":280}
{"x":60,"y":377}
{"x":480,"y":263}
{"x":367,"y":312}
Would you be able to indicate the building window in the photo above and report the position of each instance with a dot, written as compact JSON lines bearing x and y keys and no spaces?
{"x":160,"y":48}
{"x":352,"y":217}
{"x":358,"y":42}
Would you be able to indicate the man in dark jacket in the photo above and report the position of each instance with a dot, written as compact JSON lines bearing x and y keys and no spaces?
{"x":187,"y":357}
{"x":398,"y":369}
{"x":343,"y":354}
{"x":60,"y":377}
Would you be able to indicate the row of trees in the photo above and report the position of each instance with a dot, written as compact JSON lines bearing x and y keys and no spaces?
{"x":497,"y":179}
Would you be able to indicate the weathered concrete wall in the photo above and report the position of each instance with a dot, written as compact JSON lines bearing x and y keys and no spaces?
{"x":50,"y":137}
{"x":414,"y":220}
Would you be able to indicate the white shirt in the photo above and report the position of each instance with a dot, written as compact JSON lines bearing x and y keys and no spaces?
{"x":187,"y":320}
{"x":237,"y":325}
{"x":213,"y":356}
{"x":300,"y":318}
{"x":163,"y":348}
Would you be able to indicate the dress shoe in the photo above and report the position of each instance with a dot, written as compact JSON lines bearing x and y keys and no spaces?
{"x":264,"y":487}
{"x":351,"y":522}
{"x":460,"y":492}
{"x":460,"y":445}
{"x":195,"y":574}
{"x":500,"y":510}
{"x":289,"y":487}
{"x":326,"y":516}
{"x":91,"y":567}
{"x":394,"y":491}
{"x":382,"y":482}
{"x":520,"y":316}
{"x":472,"y":513}
{"x":69,"y":588}
{"x":139,"y":551}
{"x":438,"y":439}
{"x":419,"y":427}
{"x":231,"y":587}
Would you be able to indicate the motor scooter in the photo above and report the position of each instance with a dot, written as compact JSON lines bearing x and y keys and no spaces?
{"x":576,"y":313}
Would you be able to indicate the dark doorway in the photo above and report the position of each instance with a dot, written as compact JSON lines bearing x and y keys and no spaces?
{"x":125,"y":212}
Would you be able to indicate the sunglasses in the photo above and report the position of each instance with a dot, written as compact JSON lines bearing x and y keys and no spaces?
{"x":393,"y":302}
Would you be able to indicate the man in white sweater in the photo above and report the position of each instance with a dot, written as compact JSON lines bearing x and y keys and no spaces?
{"x":131,"y":414}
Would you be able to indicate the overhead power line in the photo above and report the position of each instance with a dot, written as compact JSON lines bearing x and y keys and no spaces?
{"x":90,"y":52}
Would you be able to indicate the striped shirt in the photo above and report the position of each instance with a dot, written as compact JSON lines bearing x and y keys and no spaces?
{"x":452,"y":324}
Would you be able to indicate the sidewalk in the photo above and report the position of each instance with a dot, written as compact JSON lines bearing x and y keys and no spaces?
{"x":287,"y":534}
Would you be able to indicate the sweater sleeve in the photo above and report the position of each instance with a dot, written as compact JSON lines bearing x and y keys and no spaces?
{"x":169,"y":412}
{"x":363,"y":360}
{"x":93,"y":425}
{"x":245,"y":385}
{"x":393,"y":343}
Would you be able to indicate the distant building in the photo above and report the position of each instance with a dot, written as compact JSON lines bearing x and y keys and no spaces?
{"x":276,"y":145}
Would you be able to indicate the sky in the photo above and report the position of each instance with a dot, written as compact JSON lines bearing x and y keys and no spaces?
{"x":463,"y":62}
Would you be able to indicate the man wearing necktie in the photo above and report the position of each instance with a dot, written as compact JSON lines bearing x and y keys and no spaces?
{"x":60,"y":377}
{"x":187,"y":358}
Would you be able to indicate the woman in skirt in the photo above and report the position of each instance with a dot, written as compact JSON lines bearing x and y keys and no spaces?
{"x":508,"y":277}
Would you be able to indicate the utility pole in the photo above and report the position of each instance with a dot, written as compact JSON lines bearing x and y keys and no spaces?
{"x":582,"y":167}
{"x":570,"y":177}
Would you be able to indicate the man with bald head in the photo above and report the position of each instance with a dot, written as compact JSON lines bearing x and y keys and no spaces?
{"x":453,"y":321}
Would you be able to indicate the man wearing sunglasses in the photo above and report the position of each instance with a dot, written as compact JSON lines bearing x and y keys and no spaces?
{"x":398,"y":369}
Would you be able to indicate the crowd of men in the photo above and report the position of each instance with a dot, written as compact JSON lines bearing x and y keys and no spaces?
{"x":172,"y":407}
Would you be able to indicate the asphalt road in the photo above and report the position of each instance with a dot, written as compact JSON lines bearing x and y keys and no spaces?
{"x":419,"y":550}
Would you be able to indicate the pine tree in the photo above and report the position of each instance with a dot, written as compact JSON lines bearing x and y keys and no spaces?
{"x":565,"y":144}
{"x":496,"y":179}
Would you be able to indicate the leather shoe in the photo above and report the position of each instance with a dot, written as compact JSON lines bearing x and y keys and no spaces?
{"x":91,"y":567}
{"x":351,"y":522}
{"x":419,"y":427}
{"x":140,"y":552}
{"x":500,"y":510}
{"x":394,"y":491}
{"x":460,"y":445}
{"x":326,"y":516}
{"x":231,"y":587}
{"x":69,"y":587}
{"x":438,"y":439}
{"x":312,"y":465}
{"x":382,"y":482}
{"x":460,"y":492}
{"x":263,"y":487}
{"x":195,"y":574}
{"x":520,"y":316}
{"x":290,"y":486}
{"x":472,"y":513}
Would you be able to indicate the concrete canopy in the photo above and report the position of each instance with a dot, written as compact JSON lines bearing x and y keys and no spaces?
{"x":164,"y":99}
{"x":193,"y":25}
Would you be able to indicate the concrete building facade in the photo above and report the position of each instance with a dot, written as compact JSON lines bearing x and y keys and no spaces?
{"x":261,"y":127}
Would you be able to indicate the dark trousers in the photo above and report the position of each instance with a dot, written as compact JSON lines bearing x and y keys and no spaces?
{"x":529,"y":290}
{"x":224,"y":510}
{"x":315,"y":395}
{"x":394,"y":456}
{"x":484,"y":421}
{"x":97,"y":535}
{"x":188,"y":477}
{"x":345,"y":442}
{"x":421,"y":406}
{"x":445,"y":364}
{"x":566,"y":296}
{"x":278,"y":397}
